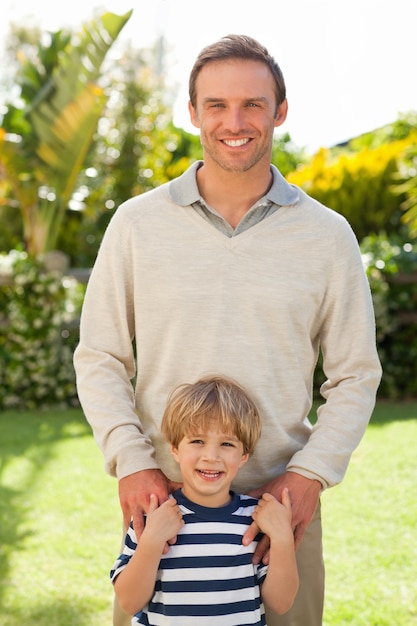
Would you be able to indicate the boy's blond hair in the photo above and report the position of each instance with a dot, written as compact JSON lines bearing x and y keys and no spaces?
{"x":192,"y":407}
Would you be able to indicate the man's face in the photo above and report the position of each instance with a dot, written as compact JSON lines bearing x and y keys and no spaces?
{"x":236,"y":112}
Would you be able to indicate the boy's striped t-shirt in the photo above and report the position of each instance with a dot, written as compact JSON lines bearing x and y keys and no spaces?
{"x":207,"y":576}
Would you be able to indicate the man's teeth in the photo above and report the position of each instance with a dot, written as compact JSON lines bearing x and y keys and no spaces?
{"x":235,"y":143}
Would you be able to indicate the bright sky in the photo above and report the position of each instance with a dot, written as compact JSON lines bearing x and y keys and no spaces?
{"x":349,"y":66}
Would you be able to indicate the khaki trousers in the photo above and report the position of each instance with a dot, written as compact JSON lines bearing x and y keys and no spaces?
{"x":307,"y":609}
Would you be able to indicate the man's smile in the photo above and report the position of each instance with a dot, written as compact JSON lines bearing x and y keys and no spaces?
{"x":236,"y":143}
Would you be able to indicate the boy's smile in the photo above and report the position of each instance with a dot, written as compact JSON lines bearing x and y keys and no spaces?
{"x":209,"y":475}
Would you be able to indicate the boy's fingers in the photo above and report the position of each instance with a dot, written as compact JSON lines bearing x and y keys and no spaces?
{"x":250,"y":534}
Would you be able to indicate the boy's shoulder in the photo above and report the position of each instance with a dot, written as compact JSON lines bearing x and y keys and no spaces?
{"x":245,"y":504}
{"x":249,"y":500}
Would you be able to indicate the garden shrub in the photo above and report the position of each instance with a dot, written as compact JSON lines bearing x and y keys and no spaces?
{"x":391,"y":265}
{"x":362,"y":186}
{"x":38,"y":308}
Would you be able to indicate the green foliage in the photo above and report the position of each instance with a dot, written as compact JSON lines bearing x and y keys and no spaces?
{"x":408,"y":188}
{"x":46,"y":134}
{"x":392,"y":271}
{"x":136,"y":148}
{"x":36,"y":346}
{"x":391,"y":267}
{"x":11,"y":228}
{"x":286,"y":156}
{"x":359,"y":185}
{"x":399,"y":129}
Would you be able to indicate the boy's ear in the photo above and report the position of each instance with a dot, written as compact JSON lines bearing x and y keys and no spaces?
{"x":174,"y":452}
{"x":245,"y":457}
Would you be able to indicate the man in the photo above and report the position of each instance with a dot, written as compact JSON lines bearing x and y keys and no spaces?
{"x":230,"y":270}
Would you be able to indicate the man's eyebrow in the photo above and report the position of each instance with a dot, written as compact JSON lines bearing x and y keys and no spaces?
{"x":211,"y":100}
{"x":208,"y":100}
{"x":258,"y":99}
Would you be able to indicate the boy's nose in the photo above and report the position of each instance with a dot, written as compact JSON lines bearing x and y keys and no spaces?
{"x":211,"y":453}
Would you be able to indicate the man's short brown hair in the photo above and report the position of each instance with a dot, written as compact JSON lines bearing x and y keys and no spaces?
{"x":237,"y":47}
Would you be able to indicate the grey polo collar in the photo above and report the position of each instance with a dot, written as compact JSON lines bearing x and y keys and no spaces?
{"x":184,"y":190}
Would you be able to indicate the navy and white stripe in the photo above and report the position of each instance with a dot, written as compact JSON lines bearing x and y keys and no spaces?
{"x":207,"y":576}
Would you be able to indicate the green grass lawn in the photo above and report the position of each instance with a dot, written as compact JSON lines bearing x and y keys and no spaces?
{"x":60,"y":525}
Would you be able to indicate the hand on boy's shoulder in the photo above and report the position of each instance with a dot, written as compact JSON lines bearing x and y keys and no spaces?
{"x":163,"y":522}
{"x":273,"y":517}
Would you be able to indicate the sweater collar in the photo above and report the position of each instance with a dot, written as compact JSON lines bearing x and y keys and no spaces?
{"x":184,"y":190}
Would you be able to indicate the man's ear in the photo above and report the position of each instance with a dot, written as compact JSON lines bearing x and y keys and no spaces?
{"x":281,"y":115}
{"x":193,"y":115}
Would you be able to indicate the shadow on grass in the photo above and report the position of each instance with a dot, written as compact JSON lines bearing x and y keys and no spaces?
{"x":62,"y":612}
{"x":31,"y":437}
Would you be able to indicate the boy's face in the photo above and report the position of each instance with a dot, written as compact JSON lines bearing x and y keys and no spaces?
{"x":209,"y":462}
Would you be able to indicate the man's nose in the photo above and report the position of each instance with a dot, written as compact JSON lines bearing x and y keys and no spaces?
{"x":235,"y":120}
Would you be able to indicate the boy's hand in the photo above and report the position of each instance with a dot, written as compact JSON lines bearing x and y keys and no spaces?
{"x":274,"y":518}
{"x":304,"y":495}
{"x":162,"y":522}
{"x":134,"y":495}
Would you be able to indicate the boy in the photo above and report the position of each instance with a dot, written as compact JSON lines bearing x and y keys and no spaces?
{"x":190,"y":566}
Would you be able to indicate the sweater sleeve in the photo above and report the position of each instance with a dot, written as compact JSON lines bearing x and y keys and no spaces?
{"x":350,"y":364}
{"x":104,"y":358}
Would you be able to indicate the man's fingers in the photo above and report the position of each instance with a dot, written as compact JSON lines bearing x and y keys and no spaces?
{"x":153,"y":503}
{"x":285,"y":498}
{"x":138,"y":522}
{"x":127,"y":516}
{"x":298,"y":534}
{"x":262,"y":551}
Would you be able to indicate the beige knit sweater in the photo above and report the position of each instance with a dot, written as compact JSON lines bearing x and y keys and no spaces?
{"x":255,"y":306}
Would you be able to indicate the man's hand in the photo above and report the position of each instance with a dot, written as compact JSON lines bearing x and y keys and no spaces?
{"x":135,"y":491}
{"x":304,"y":496}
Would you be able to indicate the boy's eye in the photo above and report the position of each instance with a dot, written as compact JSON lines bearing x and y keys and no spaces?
{"x":228,"y":444}
{"x":196,"y":441}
